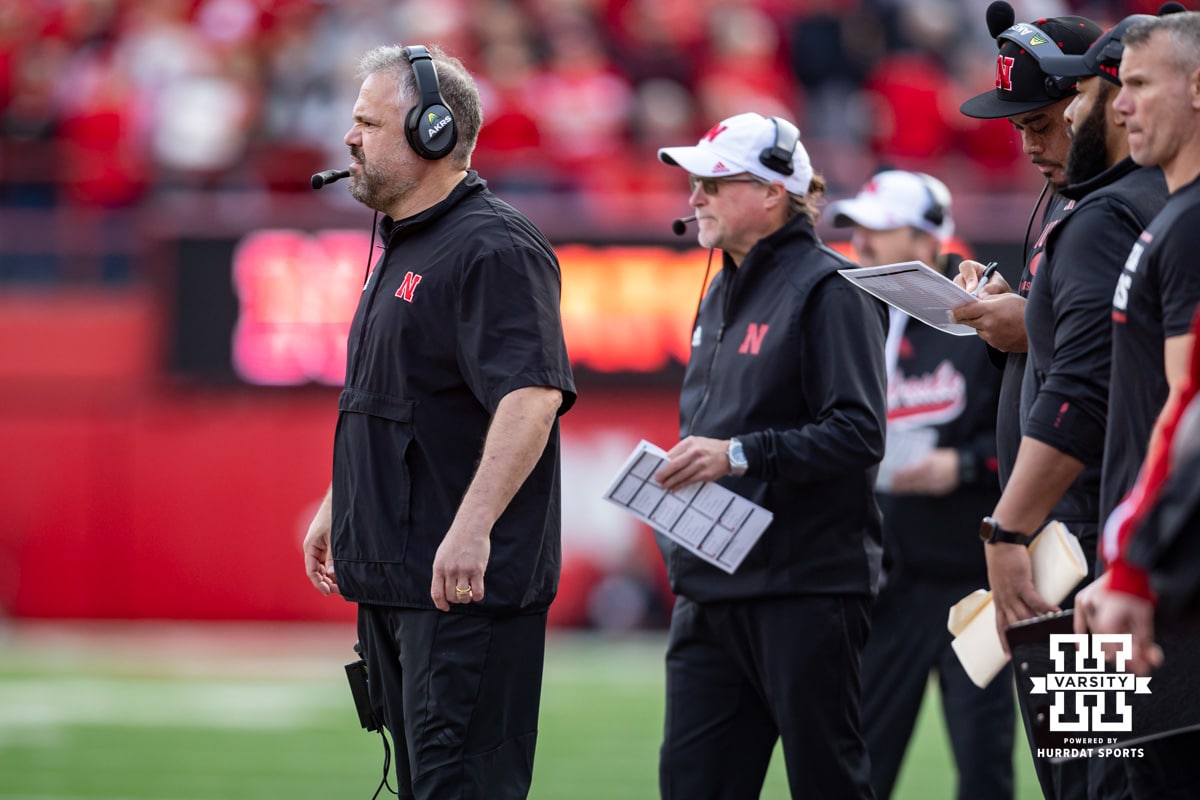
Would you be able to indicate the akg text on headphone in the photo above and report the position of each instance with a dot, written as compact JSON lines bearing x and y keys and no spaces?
{"x":429,"y":126}
{"x":1038,"y":43}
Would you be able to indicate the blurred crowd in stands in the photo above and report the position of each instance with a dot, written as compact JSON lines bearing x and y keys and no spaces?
{"x":105,"y":103}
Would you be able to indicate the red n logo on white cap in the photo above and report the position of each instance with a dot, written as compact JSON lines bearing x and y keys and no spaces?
{"x":1004,"y":65}
{"x":714,"y":132}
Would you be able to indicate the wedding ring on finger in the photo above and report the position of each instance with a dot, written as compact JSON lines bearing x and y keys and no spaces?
{"x":462,"y":591}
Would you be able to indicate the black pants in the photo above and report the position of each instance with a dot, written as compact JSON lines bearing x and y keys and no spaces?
{"x":1096,"y":778}
{"x":460,"y":696}
{"x":742,"y":675}
{"x":1168,"y":769}
{"x":908,"y":641}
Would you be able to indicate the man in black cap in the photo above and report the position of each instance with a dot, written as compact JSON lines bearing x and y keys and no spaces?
{"x":1034,"y":102}
{"x":1068,"y":284}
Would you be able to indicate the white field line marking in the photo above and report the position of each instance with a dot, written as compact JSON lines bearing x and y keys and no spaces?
{"x":40,"y":703}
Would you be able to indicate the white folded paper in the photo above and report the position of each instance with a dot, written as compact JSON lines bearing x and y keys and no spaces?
{"x":1058,"y":566}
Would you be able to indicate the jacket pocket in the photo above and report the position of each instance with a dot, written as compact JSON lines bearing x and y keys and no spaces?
{"x":372,"y":483}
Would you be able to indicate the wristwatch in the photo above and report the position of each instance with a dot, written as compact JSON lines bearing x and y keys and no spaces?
{"x":991,"y":533}
{"x":737,"y":458}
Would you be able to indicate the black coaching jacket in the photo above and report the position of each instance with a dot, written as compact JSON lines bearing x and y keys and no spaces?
{"x":1068,"y":319}
{"x":788,"y":356}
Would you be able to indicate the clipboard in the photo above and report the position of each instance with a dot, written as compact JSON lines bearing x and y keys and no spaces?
{"x":916,"y":289}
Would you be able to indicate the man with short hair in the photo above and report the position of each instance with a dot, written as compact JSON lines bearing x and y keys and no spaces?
{"x":782,"y":402}
{"x":446,"y":452}
{"x":938,"y":471}
{"x":1152,"y":309}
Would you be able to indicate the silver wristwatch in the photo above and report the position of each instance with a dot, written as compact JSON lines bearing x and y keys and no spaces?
{"x":737,"y":458}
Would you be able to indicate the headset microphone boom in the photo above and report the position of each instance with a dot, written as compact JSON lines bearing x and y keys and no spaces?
{"x":329,"y":176}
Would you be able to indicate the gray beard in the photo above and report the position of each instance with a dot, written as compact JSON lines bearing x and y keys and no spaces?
{"x":373,"y":192}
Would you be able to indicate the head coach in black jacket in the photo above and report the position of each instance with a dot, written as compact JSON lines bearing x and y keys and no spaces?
{"x":783,"y":401}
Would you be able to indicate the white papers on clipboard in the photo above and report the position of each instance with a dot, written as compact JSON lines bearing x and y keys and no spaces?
{"x":917,"y":290}
{"x":707,"y":519}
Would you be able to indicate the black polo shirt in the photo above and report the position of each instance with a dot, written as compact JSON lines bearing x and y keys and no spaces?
{"x":1154,"y":301}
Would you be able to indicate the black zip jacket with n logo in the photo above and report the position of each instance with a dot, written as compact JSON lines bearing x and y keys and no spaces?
{"x":1068,"y":319}
{"x":788,"y":356}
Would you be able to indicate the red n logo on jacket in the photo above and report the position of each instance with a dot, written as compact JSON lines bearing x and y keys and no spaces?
{"x":408,"y":286}
{"x":754,"y":336}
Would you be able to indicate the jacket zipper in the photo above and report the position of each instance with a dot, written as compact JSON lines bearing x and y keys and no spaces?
{"x":372,"y":289}
{"x":727,"y":293}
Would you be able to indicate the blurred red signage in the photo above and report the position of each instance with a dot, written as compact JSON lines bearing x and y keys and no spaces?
{"x":625,"y":308}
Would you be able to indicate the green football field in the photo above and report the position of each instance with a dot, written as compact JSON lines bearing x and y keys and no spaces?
{"x":225,"y":712}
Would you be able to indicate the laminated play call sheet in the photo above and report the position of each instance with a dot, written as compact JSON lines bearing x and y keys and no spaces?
{"x":707,"y":519}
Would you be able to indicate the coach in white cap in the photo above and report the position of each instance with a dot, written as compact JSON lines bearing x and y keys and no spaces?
{"x":748,"y":148}
{"x":783,"y":402}
{"x":895,"y":199}
{"x":940,"y":469}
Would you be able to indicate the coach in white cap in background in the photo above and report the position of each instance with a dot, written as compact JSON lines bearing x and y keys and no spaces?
{"x":783,"y":402}
{"x":939,"y":470}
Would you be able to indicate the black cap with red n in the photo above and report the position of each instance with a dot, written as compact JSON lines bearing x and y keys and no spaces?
{"x":1022,"y":82}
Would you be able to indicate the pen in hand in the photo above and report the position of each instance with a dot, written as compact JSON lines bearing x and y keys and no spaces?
{"x":988,"y":272}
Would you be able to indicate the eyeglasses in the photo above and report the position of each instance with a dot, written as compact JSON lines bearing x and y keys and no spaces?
{"x":713,"y":185}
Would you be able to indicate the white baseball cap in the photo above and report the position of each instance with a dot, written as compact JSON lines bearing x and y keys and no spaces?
{"x":898,"y":199}
{"x":737,"y":145}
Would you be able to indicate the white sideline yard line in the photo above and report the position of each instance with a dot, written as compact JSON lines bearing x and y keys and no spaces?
{"x":188,"y":649}
{"x":48,"y":703}
{"x":72,"y":797}
{"x":249,"y":676}
{"x":275,"y":651}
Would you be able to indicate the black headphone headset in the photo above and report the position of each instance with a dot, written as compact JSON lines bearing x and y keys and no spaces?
{"x":935,"y":214}
{"x":429,"y":126}
{"x":1038,"y":43}
{"x":778,"y":157}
